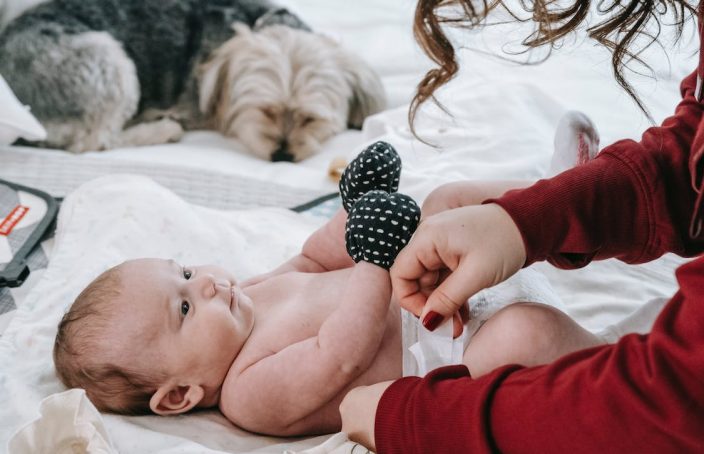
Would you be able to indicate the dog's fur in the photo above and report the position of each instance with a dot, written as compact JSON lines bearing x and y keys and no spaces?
{"x":100,"y":74}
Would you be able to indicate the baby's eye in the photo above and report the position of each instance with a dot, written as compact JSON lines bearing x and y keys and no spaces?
{"x":185,"y":307}
{"x":187,"y":274}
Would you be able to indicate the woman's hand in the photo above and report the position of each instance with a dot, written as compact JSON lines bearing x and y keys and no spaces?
{"x":453,"y":255}
{"x":358,"y":411}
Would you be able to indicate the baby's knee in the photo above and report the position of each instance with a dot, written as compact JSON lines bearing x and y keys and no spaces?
{"x":527,"y":330}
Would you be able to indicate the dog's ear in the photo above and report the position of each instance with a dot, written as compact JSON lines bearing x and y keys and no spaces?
{"x":368,"y":96}
{"x":212,"y":75}
{"x":212,"y":80}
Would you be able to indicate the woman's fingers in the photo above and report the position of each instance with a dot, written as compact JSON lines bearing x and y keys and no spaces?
{"x":415,"y":267}
{"x":457,"y":325}
{"x":451,"y":296}
{"x":465,"y":250}
{"x":429,"y":280}
{"x":358,"y":412}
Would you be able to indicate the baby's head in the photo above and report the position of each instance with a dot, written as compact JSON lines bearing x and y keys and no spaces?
{"x":152,"y":335}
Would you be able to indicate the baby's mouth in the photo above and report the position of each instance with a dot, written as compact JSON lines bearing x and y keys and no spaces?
{"x":233,"y":298}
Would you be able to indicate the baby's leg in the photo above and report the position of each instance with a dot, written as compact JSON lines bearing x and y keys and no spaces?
{"x":576,"y":142}
{"x":528,"y":334}
{"x":464,"y":193}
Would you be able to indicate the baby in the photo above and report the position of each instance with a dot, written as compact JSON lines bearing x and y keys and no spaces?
{"x":277,"y":353}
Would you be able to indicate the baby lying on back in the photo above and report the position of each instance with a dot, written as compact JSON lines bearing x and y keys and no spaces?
{"x":276,"y":354}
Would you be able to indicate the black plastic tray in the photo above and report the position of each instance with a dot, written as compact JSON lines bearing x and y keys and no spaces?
{"x":16,"y":270}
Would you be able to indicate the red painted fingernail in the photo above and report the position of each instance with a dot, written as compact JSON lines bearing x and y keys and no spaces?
{"x":431,"y":320}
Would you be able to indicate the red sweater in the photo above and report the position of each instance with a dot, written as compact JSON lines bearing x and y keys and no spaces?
{"x":635,"y":201}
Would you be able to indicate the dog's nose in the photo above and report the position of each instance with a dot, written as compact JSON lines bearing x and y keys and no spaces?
{"x":282,"y":154}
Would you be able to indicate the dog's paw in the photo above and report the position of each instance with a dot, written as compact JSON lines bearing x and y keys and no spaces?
{"x":153,"y":133}
{"x":379,"y":225}
{"x":378,"y":167}
{"x":170,"y":130}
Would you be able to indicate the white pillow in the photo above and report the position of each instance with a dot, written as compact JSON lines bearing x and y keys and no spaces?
{"x":15,"y":119}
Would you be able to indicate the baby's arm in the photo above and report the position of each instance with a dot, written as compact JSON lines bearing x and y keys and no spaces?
{"x":326,"y":246}
{"x":323,"y":251}
{"x":283,"y":394}
{"x":576,"y":142}
{"x":378,"y":167}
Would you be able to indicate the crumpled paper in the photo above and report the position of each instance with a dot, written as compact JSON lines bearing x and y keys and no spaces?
{"x":68,"y":424}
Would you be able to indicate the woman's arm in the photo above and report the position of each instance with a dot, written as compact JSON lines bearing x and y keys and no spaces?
{"x":634,"y":201}
{"x":642,"y":394}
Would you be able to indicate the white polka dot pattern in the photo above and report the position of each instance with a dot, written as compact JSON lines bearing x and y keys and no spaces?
{"x":377,"y":167}
{"x":379,"y":225}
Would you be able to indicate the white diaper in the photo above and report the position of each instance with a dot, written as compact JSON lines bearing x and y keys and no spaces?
{"x":424,"y":350}
{"x":639,"y":321}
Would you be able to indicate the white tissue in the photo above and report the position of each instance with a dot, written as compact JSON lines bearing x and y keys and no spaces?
{"x":437,"y":348}
{"x":430,"y":350}
{"x":69,"y":424}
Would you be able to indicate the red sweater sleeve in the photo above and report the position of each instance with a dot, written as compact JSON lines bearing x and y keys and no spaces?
{"x":633,"y":202}
{"x":643,"y":394}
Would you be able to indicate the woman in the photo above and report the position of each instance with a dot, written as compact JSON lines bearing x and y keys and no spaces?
{"x":642,"y":394}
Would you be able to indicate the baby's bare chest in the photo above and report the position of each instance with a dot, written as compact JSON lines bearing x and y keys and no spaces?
{"x":292,"y":307}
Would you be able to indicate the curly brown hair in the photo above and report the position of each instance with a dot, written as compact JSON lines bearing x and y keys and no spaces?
{"x":623,"y":22}
{"x":80,"y":353}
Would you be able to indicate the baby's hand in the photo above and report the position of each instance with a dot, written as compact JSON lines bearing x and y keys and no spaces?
{"x":379,"y":225}
{"x":376,"y":168}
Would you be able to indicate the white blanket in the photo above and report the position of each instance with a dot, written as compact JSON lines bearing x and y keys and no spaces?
{"x":110,"y":220}
{"x":503,"y":125}
{"x":116,"y":218}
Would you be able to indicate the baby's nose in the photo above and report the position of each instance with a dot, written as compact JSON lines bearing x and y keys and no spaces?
{"x":221,"y":286}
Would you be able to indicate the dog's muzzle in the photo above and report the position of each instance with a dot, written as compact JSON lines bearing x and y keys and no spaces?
{"x":282,"y":154}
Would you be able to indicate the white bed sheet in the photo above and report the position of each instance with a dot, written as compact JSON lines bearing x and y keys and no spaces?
{"x":503,"y":124}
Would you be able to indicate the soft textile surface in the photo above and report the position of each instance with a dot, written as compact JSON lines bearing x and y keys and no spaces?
{"x":503,"y":125}
{"x":141,"y":220}
{"x":115,"y":218}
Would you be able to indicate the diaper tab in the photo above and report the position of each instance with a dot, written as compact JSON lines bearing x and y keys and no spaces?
{"x":434,"y":349}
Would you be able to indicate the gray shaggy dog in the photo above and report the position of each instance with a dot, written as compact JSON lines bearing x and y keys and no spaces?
{"x":101,"y":74}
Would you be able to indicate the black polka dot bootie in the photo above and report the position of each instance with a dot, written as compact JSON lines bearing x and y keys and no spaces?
{"x":378,"y":167}
{"x":379,"y":225}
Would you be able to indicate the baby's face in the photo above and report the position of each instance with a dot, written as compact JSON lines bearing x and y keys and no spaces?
{"x":196,"y":317}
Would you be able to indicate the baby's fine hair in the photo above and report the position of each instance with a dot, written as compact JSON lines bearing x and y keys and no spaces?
{"x":80,"y":359}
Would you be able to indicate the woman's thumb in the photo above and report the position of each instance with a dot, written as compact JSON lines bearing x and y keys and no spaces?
{"x":447,"y":298}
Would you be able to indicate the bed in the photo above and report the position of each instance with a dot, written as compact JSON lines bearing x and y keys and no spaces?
{"x":502,"y":125}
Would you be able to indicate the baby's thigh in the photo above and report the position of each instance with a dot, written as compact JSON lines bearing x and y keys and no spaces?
{"x":528,"y":334}
{"x":463,"y":193}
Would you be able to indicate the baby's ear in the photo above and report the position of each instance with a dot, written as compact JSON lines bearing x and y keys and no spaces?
{"x":171,"y":399}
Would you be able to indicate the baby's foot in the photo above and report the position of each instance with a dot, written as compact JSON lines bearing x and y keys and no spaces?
{"x":376,"y":168}
{"x":379,"y":226}
{"x":576,"y":142}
